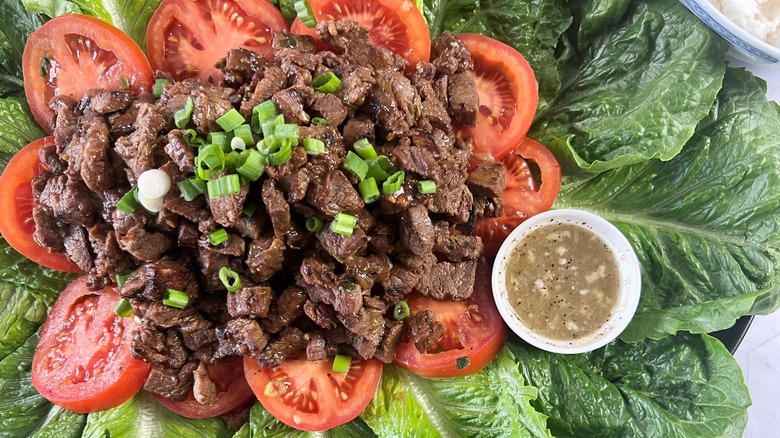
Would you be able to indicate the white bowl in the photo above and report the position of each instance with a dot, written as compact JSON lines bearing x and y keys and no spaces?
{"x":628,"y":296}
{"x":744,"y":46}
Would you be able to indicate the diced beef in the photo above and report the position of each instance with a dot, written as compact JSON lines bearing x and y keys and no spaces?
{"x":195,"y":210}
{"x":200,"y":338}
{"x":285,"y":309}
{"x":489,"y":207}
{"x":356,"y":82}
{"x":65,"y":120}
{"x":76,"y":246}
{"x":150,"y":281}
{"x":148,"y":345}
{"x":240,"y":65}
{"x":452,"y":198}
{"x":323,"y":286}
{"x":362,"y":52}
{"x":210,"y":262}
{"x":250,"y":301}
{"x":277,"y":207}
{"x":487,"y":180}
{"x":203,"y":388}
{"x":333,"y":194}
{"x":329,"y":107}
{"x":227,"y":209}
{"x":139,"y":148}
{"x":290,"y":104}
{"x":211,"y":103}
{"x":295,"y":184}
{"x":321,"y":314}
{"x":287,"y":40}
{"x":365,"y":271}
{"x":270,"y":79}
{"x":250,"y":227}
{"x":289,"y":343}
{"x":426,"y":330}
{"x":394,"y":333}
{"x":416,"y":230}
{"x":382,"y":106}
{"x":454,"y":245}
{"x":158,"y":314}
{"x":95,"y":168}
{"x":416,"y":160}
{"x":358,"y":127}
{"x":234,"y":246}
{"x":171,"y":383}
{"x":449,"y":281}
{"x":180,"y":152}
{"x":241,"y":337}
{"x":398,"y":284}
{"x":341,"y":246}
{"x":265,"y":258}
{"x":368,"y":326}
{"x":104,"y":102}
{"x":463,"y":98}
{"x":316,"y":348}
{"x":450,"y":55}
{"x":339,"y":33}
{"x":69,"y":200}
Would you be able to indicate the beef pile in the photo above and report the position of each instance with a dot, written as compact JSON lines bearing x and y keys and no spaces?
{"x":313,"y":294}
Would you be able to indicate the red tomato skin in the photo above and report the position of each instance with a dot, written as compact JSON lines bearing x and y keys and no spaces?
{"x":499,"y":130}
{"x":61,"y":376}
{"x":481,"y":340}
{"x":49,"y":40}
{"x":16,"y":224}
{"x":204,"y":21}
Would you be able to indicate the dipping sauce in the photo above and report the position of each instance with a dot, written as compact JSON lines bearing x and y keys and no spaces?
{"x":563,"y":281}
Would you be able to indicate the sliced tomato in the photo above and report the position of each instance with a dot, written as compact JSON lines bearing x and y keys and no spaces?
{"x":233,"y":392}
{"x":83,"y":362}
{"x":394,"y":24}
{"x":73,"y":53}
{"x":186,"y":38}
{"x":523,"y":196}
{"x":17,"y":225}
{"x":508,"y":96}
{"x":475,"y":333}
{"x":309,"y":395}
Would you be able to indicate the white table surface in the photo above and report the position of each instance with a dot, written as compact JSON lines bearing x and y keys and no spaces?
{"x":759,"y":353}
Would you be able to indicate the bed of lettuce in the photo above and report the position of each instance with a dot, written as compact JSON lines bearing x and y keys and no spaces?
{"x":655,"y":133}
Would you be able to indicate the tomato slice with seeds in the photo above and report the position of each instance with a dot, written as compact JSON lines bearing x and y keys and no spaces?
{"x":523,"y":196}
{"x":309,"y":395}
{"x":17,"y":225}
{"x":394,"y":24}
{"x":474,"y":333}
{"x":73,"y":53}
{"x":508,"y":96}
{"x":186,"y":38}
{"x":83,"y":362}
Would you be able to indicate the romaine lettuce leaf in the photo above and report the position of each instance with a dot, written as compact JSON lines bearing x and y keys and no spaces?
{"x":20,"y":316}
{"x":45,"y":284}
{"x":681,"y":386}
{"x":263,"y":424}
{"x":492,"y":402}
{"x":706,"y":225}
{"x":17,"y":127}
{"x":130,"y":16}
{"x":16,"y":26}
{"x":638,"y":93}
{"x":61,"y":423}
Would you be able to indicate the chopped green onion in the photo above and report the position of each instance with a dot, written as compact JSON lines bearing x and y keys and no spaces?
{"x":341,"y":364}
{"x":261,"y":114}
{"x":269,"y":126}
{"x":219,"y":138}
{"x":462,"y":362}
{"x":175,"y":298}
{"x":121,"y":277}
{"x":229,"y":279}
{"x":224,"y":186}
{"x":369,"y":190}
{"x":129,"y":203}
{"x":191,"y":188}
{"x":249,"y":209}
{"x":314,"y":224}
{"x":182,"y":116}
{"x":123,"y":83}
{"x":305,"y":14}
{"x":123,"y":308}
{"x":319,"y":121}
{"x":401,"y":310}
{"x":312,"y":146}
{"x":253,"y":166}
{"x":380,"y":168}
{"x":158,"y":88}
{"x":281,"y":156}
{"x":426,"y":187}
{"x":356,"y":166}
{"x":233,"y":160}
{"x":190,"y":136}
{"x":230,"y":120}
{"x":286,"y":131}
{"x":394,"y":183}
{"x":364,"y":148}
{"x":237,"y":144}
{"x":244,"y":132}
{"x":326,"y":83}
{"x":218,"y":236}
{"x":343,"y":224}
{"x":287,"y":7}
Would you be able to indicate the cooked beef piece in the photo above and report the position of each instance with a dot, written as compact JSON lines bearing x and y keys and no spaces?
{"x":171,"y":383}
{"x":450,"y":55}
{"x":339,"y":33}
{"x":356,"y":82}
{"x":295,"y":184}
{"x":148,"y":345}
{"x":277,"y":207}
{"x":316,"y":276}
{"x":195,"y":210}
{"x":48,"y":156}
{"x":365,"y":271}
{"x":284,"y":309}
{"x":227,"y":209}
{"x":139,"y":148}
{"x":265,"y":258}
{"x":416,"y":160}
{"x":287,"y":40}
{"x":398,"y":284}
{"x":210,"y":262}
{"x":363,"y":52}
{"x":340,"y":246}
{"x":296,"y":65}
{"x":77,"y":247}
{"x":333,"y":194}
{"x":489,"y":207}
{"x":383,"y":108}
{"x":289,"y":343}
{"x":369,"y":327}
{"x":316,"y":348}
{"x":375,"y":303}
{"x":200,"y":338}
{"x":47,"y":234}
{"x":180,"y":152}
{"x":69,"y":200}
{"x":235,"y":245}
{"x":175,"y":351}
{"x":203,"y":388}
{"x":104,"y":102}
{"x":251,"y":301}
{"x":150,"y":281}
{"x":382,"y":238}
{"x":321,"y":314}
{"x":240,"y":65}
{"x":290,"y":104}
{"x":95,"y":168}
{"x":399,"y":201}
{"x":211,"y":102}
{"x":65,"y":120}
{"x":463,"y":98}
{"x":144,"y":245}
{"x":487,"y":180}
{"x":394,"y":333}
{"x":240,"y":337}
{"x":454,"y":245}
{"x":426,"y":330}
{"x":452,"y":198}
{"x":158,"y":314}
{"x":416,"y":230}
{"x":358,"y":127}
{"x":187,"y":234}
{"x":328,"y":106}
{"x":449,"y":281}
{"x":250,"y":227}
{"x":109,"y":257}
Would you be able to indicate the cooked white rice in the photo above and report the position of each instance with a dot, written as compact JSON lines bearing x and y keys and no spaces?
{"x":760,"y":18}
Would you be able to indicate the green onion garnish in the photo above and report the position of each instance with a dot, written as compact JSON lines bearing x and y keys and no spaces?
{"x":190,"y":136}
{"x":326,"y":83}
{"x":462,"y":362}
{"x":341,"y":364}
{"x":343,"y":224}
{"x":305,"y":14}
{"x":249,"y":209}
{"x":369,"y":190}
{"x":218,"y":236}
{"x":229,"y":279}
{"x":182,"y":116}
{"x":314,"y":224}
{"x":380,"y":168}
{"x":253,"y":166}
{"x":230,"y":120}
{"x":123,"y":308}
{"x":401,"y":310}
{"x":244,"y":132}
{"x":312,"y":146}
{"x":426,"y":187}
{"x":210,"y":160}
{"x":356,"y":166}
{"x":175,"y":298}
{"x":191,"y":188}
{"x":219,"y":138}
{"x":261,"y":114}
{"x":281,"y":156}
{"x":286,"y":131}
{"x":224,"y":186}
{"x":158,"y":88}
{"x":319,"y":121}
{"x":129,"y":203}
{"x":394,"y":183}
{"x":364,"y":148}
{"x":121,"y":277}
{"x":269,"y":126}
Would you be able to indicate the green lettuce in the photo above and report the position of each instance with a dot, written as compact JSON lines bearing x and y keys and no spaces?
{"x":263,"y":424}
{"x":17,"y":128}
{"x":681,"y":386}
{"x":638,"y":93}
{"x":492,"y":402}
{"x":16,"y":26}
